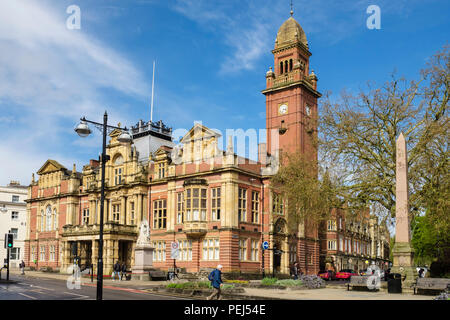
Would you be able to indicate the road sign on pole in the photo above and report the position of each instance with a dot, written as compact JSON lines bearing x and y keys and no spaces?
{"x":265,"y":245}
{"x":174,"y":250}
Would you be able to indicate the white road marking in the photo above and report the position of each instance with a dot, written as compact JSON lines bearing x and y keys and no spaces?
{"x":29,"y":297}
{"x":44,"y":288}
{"x":76,"y":294}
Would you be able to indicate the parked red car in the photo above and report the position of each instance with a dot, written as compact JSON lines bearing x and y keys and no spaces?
{"x":327,"y":275}
{"x":346,"y":274}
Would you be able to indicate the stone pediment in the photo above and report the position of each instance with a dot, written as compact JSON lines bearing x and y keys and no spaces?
{"x":163,"y":153}
{"x":51,"y":166}
{"x":163,"y":150}
{"x":199,"y":132}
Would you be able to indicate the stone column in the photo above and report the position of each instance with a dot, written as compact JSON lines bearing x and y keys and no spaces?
{"x":63,"y":257}
{"x":107,"y":257}
{"x":139,"y":209}
{"x":116,"y":250}
{"x":91,"y":212}
{"x":98,"y":202}
{"x":403,"y":252}
{"x":285,"y":256}
{"x":171,"y":206}
{"x":66,"y":262}
{"x":133,"y":248}
{"x":123,"y":210}
{"x":94,"y":256}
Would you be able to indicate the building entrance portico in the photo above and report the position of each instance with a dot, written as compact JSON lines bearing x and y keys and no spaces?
{"x":280,"y":256}
{"x":118,"y":245}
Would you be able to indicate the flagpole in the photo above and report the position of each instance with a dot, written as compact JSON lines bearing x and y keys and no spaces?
{"x":153,"y":91}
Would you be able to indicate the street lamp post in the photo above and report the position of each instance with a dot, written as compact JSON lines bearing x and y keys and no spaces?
{"x":83,"y":131}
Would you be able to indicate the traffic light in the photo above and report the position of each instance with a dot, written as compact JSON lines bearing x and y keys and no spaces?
{"x":10,"y":240}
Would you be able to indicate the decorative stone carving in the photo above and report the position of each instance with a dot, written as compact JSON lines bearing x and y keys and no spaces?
{"x":144,"y":234}
{"x":143,"y":254}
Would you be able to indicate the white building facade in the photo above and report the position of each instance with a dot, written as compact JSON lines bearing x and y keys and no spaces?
{"x":13,"y":218}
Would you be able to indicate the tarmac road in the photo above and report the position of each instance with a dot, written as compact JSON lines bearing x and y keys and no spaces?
{"x":29,"y":288}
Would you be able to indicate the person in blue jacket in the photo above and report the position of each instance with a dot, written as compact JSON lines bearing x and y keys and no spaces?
{"x":216,"y":281}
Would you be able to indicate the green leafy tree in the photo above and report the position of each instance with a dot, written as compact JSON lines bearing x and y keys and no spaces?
{"x":358,"y":133}
{"x":309,"y":191}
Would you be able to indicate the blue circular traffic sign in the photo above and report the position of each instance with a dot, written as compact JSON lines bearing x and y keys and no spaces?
{"x":265,"y":245}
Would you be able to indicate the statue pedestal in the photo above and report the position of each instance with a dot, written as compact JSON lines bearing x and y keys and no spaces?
{"x":143,"y":262}
{"x":404,"y":264}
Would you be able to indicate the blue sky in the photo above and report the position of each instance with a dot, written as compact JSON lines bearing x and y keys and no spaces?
{"x":211,"y":58}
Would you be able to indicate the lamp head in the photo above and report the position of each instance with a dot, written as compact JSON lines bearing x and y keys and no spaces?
{"x":83,"y":129}
{"x":125,"y":137}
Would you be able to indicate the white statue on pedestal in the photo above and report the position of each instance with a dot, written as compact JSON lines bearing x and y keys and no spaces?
{"x":143,"y":253}
{"x":144,"y":233}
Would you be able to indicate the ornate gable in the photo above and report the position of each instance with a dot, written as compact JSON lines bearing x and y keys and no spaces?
{"x":199,"y":132}
{"x":200,"y":144}
{"x":163,"y":153}
{"x":51,"y":166}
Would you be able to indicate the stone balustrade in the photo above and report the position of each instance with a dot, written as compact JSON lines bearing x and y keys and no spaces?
{"x":195,"y":227}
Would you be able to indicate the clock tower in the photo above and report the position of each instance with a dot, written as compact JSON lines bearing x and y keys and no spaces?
{"x":291,"y":93}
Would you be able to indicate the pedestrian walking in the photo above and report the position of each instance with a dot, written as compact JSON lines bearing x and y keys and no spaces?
{"x":216,"y":281}
{"x":294,"y":271}
{"x":116,"y":271}
{"x":124,"y":271}
{"x":22,"y":267}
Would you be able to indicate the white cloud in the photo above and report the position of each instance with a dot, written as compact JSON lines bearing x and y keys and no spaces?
{"x":49,"y":77}
{"x":249,"y":28}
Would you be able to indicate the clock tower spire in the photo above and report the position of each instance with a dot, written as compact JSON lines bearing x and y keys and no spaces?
{"x":291,"y":93}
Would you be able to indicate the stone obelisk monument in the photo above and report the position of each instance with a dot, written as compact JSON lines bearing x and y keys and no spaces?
{"x":403,"y":253}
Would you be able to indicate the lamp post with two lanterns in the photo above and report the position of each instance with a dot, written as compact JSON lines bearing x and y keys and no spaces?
{"x":83,"y":131}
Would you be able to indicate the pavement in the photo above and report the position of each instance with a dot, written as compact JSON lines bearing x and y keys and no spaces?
{"x":331,"y":293}
{"x":45,"y":282}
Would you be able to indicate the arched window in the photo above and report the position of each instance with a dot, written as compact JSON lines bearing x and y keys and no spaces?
{"x":48,"y":218}
{"x":55,"y":220}
{"x":290,"y":65}
{"x":281,"y":67}
{"x":42,"y":220}
{"x":286,"y":66}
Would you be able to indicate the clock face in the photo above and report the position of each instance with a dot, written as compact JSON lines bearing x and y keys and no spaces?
{"x":283,"y":109}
